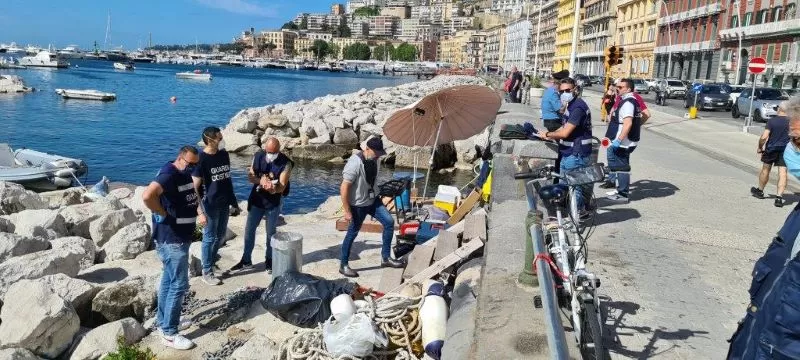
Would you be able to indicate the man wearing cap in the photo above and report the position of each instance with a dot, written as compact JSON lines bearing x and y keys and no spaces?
{"x":359,"y":199}
{"x":551,"y":102}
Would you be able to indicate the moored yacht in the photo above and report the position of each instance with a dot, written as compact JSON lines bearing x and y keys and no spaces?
{"x":14,"y":49}
{"x":44,"y":59}
{"x":71,"y":52}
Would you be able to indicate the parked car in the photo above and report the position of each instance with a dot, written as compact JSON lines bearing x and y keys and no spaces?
{"x":583,"y":80}
{"x":674,"y":88}
{"x":640,"y":86}
{"x":651,"y":84}
{"x":765,"y":103}
{"x":708,"y":97}
{"x":735,"y":91}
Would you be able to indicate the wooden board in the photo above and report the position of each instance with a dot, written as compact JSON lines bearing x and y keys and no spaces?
{"x":439,"y":266}
{"x":475,"y":226}
{"x":369,"y":226}
{"x":446,"y":244}
{"x":465,"y":207}
{"x":390,"y":278}
{"x":419,"y":259}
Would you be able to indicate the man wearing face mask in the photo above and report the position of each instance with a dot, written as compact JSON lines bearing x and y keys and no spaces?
{"x":212,"y":181}
{"x":574,"y":136}
{"x":770,"y":328}
{"x":359,"y":199}
{"x":269,"y":174}
{"x":173,"y":201}
{"x":623,"y":130}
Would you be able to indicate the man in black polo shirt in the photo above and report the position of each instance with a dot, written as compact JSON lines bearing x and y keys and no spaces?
{"x":771,"y":145}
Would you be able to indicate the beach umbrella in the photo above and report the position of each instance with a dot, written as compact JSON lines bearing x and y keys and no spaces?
{"x":450,"y":114}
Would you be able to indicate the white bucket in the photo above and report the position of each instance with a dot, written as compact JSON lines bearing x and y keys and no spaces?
{"x":287,"y":253}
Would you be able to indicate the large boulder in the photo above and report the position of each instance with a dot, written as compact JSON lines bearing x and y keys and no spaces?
{"x":6,"y":225}
{"x":14,"y":198}
{"x":135,"y":203}
{"x":78,"y":293}
{"x":369,"y":130}
{"x":237,"y":142}
{"x":244,"y":122}
{"x":404,"y":156}
{"x":79,"y":245}
{"x":44,"y":223}
{"x":467,"y":150}
{"x":345,"y":137}
{"x":103,"y":339}
{"x":17,"y":245}
{"x":34,"y":317}
{"x":272,"y":121}
{"x":120,"y":193}
{"x":133,"y":297}
{"x":334,"y":122}
{"x":17,"y":354}
{"x":127,"y":243}
{"x":62,"y":260}
{"x":102,"y":229}
{"x":79,"y":217}
{"x":66,"y":197}
{"x":320,"y":140}
{"x":320,"y":152}
{"x":365,"y":117}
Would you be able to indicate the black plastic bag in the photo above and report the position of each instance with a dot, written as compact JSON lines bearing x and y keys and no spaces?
{"x":303,"y":300}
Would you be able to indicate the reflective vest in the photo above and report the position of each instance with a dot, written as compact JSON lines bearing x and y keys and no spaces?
{"x":579,"y":141}
{"x":615,"y":125}
{"x":179,"y":199}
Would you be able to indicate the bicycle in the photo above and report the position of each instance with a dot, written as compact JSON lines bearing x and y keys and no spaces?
{"x":568,"y":253}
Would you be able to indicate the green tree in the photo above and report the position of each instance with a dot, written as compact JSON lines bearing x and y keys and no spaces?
{"x":367,"y":11}
{"x":405,"y":52}
{"x":334,"y":50}
{"x":325,"y":28}
{"x":270,"y":48}
{"x":304,"y":23}
{"x":320,"y":49}
{"x":343,"y":30}
{"x":289,"y":26}
{"x":357,"y":51}
{"x":383,"y":52}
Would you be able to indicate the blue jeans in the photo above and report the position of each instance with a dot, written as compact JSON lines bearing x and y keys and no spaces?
{"x":174,"y":284}
{"x":573,"y":162}
{"x":213,"y":233}
{"x":379,"y":212}
{"x":254,"y":217}
{"x":619,"y":162}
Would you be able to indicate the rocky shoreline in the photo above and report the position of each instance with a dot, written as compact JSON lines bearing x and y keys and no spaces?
{"x":328,"y":128}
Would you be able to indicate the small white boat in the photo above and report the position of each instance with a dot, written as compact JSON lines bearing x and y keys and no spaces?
{"x":10,"y":63}
{"x":37,"y":170}
{"x":61,"y":166}
{"x":194,"y":75}
{"x":123,"y":66}
{"x":86,"y":94}
{"x":44,"y":59}
{"x":12,"y":84}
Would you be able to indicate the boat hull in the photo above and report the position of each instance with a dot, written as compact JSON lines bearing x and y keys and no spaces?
{"x":86,"y":95}
{"x":193,"y":76}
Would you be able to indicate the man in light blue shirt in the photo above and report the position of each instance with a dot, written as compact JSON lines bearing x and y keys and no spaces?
{"x":551,"y":103}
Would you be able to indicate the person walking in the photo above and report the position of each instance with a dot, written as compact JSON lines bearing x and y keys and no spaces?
{"x":212,"y":181}
{"x":174,"y":203}
{"x":526,"y":89}
{"x":771,"y":146}
{"x":574,"y":136}
{"x":623,"y":130}
{"x":608,"y":100}
{"x":516,"y":85}
{"x":270,"y":175}
{"x":359,"y":200}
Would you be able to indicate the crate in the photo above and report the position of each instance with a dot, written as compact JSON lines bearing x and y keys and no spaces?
{"x":447,"y":198}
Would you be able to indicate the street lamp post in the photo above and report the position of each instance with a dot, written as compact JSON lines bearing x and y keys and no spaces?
{"x":538,"y":31}
{"x":669,"y":35}
{"x":575,"y":22}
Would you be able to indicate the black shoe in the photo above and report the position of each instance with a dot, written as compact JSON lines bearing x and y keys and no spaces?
{"x":756,"y":192}
{"x":779,"y":202}
{"x":347,"y":271}
{"x":608,"y":185}
{"x":240,"y":266}
{"x":394,"y":263}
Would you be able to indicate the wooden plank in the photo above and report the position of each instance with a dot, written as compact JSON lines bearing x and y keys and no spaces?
{"x":390,"y":278}
{"x":475,"y":226}
{"x":446,"y":244}
{"x":465,"y":207}
{"x":461,"y":253}
{"x":419,"y":259}
{"x":369,"y":226}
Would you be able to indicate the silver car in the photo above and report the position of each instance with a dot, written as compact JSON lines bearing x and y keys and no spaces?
{"x":765,"y":103}
{"x":673,"y":88}
{"x":640,"y":86}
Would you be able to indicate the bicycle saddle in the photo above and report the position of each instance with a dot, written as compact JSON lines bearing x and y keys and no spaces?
{"x":555,"y":192}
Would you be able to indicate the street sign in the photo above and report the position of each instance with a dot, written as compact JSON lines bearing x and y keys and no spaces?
{"x":757,"y":65}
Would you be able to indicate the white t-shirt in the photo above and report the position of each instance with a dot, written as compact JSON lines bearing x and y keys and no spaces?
{"x":627,"y":110}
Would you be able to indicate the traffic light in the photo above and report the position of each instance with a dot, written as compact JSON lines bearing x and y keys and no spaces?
{"x":614,"y":55}
{"x":620,"y":54}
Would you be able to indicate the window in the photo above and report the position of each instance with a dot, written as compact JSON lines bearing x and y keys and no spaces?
{"x":761,"y":16}
{"x":758,"y":51}
{"x":703,"y":33}
{"x":776,"y":13}
{"x":651,"y":34}
{"x":784,"y":52}
{"x":688,"y":4}
{"x":713,"y":30}
{"x":734,"y":21}
{"x":770,"y":53}
{"x":747,"y":17}
{"x":694,"y":33}
{"x":789,"y":11}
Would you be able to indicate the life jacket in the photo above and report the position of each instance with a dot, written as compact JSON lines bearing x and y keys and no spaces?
{"x":180,"y":201}
{"x":615,"y":125}
{"x":770,"y":328}
{"x":579,"y":142}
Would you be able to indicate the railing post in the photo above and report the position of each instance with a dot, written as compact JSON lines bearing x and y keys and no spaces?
{"x":556,"y":339}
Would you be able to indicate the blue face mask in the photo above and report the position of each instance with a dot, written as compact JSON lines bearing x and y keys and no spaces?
{"x":792,"y":158}
{"x":567,"y":97}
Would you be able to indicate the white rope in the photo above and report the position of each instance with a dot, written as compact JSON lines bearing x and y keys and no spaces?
{"x":390,"y":312}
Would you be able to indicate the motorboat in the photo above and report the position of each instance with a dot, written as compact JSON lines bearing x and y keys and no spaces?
{"x":123,"y":66}
{"x":324,"y":67}
{"x":143,"y":58}
{"x":44,"y":59}
{"x":71,"y":52}
{"x":37,"y":170}
{"x":14,"y":49}
{"x":10,"y":63}
{"x":86,"y":94}
{"x":117,"y":55}
{"x":12,"y":84}
{"x":32,"y":50}
{"x":194,"y":75}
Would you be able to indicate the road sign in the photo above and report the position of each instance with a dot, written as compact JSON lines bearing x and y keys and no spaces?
{"x":757,"y":65}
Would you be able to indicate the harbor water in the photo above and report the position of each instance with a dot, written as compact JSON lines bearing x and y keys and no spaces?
{"x":128,"y":140}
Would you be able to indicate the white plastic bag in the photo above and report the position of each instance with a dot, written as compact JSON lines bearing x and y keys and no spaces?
{"x":354,"y":336}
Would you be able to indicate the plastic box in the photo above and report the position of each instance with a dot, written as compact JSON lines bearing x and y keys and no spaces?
{"x":447,"y":198}
{"x":428,"y":229}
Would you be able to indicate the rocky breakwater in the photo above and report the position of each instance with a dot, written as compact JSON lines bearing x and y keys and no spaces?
{"x":75,"y":272}
{"x":329,"y":127}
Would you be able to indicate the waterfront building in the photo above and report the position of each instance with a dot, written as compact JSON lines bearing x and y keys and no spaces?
{"x":419,"y":29}
{"x":636,"y":33}
{"x":282,"y":40}
{"x":318,"y":21}
{"x":302,"y":48}
{"x":518,"y":44}
{"x":768,"y":29}
{"x":475,"y":48}
{"x":566,"y":22}
{"x":338,"y":9}
{"x":596,"y":34}
{"x":344,"y":42}
{"x":547,"y":37}
{"x":429,"y":50}
{"x":688,"y":32}
{"x":494,"y":53}
{"x":453,"y":49}
{"x":383,"y":26}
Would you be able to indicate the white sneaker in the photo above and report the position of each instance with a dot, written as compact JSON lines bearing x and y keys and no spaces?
{"x":210,"y":279}
{"x":177,"y":341}
{"x":184,"y":324}
{"x":612,"y":192}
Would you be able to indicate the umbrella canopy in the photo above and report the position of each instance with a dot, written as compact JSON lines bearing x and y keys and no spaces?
{"x":463,"y":111}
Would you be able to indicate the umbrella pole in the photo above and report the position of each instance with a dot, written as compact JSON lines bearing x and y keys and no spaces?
{"x":433,"y":153}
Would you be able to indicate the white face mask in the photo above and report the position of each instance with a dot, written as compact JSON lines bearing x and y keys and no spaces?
{"x":221,"y":144}
{"x":271,"y":157}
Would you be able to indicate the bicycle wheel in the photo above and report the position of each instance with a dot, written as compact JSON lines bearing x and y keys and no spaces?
{"x":592,"y":335}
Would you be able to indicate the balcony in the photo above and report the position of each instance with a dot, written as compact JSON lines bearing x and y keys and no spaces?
{"x":594,"y":35}
{"x":591,"y":54}
{"x":785,"y":27}
{"x":689,"y":47}
{"x":706,"y":10}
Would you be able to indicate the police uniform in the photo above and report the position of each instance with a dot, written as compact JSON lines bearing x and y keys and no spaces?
{"x":619,"y":157}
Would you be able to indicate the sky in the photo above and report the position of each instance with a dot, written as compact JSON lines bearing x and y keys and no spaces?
{"x":81,"y":22}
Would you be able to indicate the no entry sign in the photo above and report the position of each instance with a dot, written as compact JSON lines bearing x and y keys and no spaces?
{"x":757,"y":65}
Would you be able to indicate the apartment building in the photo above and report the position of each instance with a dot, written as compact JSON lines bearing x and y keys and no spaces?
{"x":419,"y":30}
{"x":688,"y":33}
{"x":494,"y":52}
{"x":338,"y":9}
{"x":508,"y":6}
{"x":564,"y":31}
{"x":596,"y":33}
{"x":342,"y":43}
{"x":475,"y":49}
{"x":282,"y":39}
{"x":768,"y":29}
{"x":453,"y":49}
{"x":316,"y":22}
{"x":546,"y":48}
{"x":384,"y":26}
{"x":402,"y":12}
{"x":518,"y":44}
{"x":636,"y":33}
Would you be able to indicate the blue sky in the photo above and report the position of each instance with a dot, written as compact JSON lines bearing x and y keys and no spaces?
{"x":81,"y":22}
